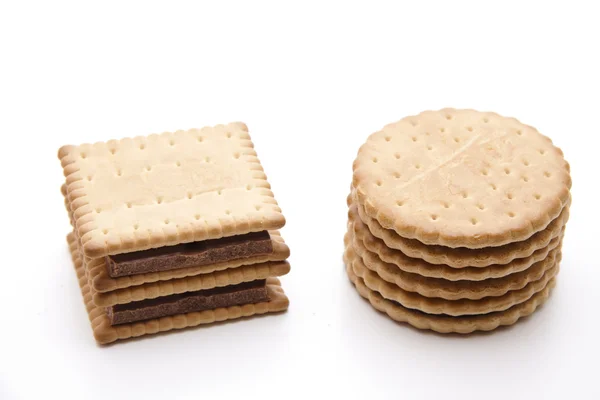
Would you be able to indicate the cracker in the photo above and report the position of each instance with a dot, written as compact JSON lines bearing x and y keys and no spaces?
{"x":448,"y":307}
{"x":104,"y":333}
{"x":461,"y":178}
{"x":447,"y":324}
{"x":459,"y":257}
{"x":362,"y":239}
{"x":450,"y":290}
{"x":161,"y":190}
{"x":146,"y":291}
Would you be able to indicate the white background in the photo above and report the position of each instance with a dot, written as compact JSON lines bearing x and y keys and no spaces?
{"x":312,"y":80}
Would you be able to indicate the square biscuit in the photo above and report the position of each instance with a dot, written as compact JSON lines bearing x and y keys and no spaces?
{"x":160,"y":190}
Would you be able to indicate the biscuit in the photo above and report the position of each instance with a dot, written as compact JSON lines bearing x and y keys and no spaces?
{"x":450,"y":290}
{"x":162,"y":190}
{"x":461,"y":178}
{"x":460,"y":257}
{"x":447,"y":324}
{"x":105,"y":333}
{"x":447,"y":307}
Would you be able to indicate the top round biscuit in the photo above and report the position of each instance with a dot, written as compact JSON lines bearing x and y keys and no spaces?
{"x":461,"y":178}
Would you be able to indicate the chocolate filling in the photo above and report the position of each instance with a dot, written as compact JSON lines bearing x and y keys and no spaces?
{"x":189,"y":254}
{"x":226,"y":296}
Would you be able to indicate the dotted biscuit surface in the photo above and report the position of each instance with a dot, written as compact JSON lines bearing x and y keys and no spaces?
{"x":104,"y":333}
{"x":448,"y":307}
{"x":451,"y":290}
{"x":461,"y":178}
{"x":447,"y":324}
{"x":160,"y":190}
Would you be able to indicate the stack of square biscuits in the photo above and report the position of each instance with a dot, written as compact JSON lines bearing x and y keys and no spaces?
{"x":456,"y":220}
{"x":173,"y":230}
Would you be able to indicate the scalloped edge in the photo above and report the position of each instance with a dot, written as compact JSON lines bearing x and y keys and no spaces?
{"x":364,"y":240}
{"x":440,"y":306}
{"x":451,"y":290}
{"x":447,"y":324}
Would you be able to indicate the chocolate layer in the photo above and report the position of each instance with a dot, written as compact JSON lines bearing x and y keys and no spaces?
{"x":227,"y":296}
{"x":189,"y":254}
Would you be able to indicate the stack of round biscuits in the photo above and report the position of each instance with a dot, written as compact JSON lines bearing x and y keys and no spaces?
{"x":456,"y":220}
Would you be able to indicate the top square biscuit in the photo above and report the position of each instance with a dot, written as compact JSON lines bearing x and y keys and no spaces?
{"x":160,"y":190}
